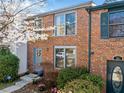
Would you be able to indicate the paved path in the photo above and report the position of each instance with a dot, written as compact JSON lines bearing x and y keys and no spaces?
{"x":20,"y":84}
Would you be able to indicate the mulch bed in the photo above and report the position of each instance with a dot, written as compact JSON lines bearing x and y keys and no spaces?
{"x":31,"y":88}
{"x":49,"y":80}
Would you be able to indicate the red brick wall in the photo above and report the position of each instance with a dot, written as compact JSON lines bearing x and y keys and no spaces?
{"x":104,"y":49}
{"x":98,"y":46}
{"x":80,"y":41}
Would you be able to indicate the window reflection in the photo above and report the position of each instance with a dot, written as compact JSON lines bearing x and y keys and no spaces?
{"x":38,"y":53}
{"x":65,"y":24}
{"x":38,"y":23}
{"x":116,"y":24}
{"x":117,"y":79}
{"x":59,"y":23}
{"x":65,"y":57}
{"x":70,"y":57}
{"x":117,"y":30}
{"x":70,"y":24}
{"x":60,"y":58}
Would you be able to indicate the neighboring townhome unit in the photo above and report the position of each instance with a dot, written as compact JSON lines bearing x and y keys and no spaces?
{"x":67,"y":43}
{"x":106,"y":40}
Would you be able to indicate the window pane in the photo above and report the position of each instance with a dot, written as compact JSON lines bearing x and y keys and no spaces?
{"x":117,"y":18}
{"x":38,"y":23}
{"x":59,"y":24}
{"x":60,"y":56}
{"x":39,"y":55}
{"x":117,"y":79}
{"x":70,"y":24}
{"x":116,"y":26}
{"x":116,"y":30}
{"x":70,"y":57}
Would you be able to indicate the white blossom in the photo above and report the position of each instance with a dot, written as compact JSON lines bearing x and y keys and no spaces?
{"x":16,"y":29}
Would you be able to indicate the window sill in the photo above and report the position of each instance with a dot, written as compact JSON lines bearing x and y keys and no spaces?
{"x":114,"y":39}
{"x":57,"y":68}
{"x":65,"y":35}
{"x":37,"y":30}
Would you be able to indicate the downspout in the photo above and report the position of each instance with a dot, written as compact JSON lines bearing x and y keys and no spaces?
{"x":89,"y":40}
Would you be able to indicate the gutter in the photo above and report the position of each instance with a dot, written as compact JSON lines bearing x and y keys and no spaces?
{"x":89,"y":10}
{"x":65,"y":9}
{"x":89,"y":40}
{"x":70,"y":8}
{"x":107,"y":6}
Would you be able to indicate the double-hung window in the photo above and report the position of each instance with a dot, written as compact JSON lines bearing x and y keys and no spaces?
{"x":38,"y":23}
{"x":112,"y":24}
{"x":65,"y":24}
{"x":65,"y":56}
{"x":59,"y":25}
{"x":116,"y":24}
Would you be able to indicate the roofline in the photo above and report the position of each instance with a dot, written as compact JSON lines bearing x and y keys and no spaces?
{"x":82,"y":5}
{"x":106,"y":6}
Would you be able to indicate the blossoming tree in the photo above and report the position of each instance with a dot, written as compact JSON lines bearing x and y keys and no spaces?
{"x":12,"y":25}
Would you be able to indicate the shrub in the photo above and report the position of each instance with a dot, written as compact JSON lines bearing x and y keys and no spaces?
{"x":97,"y":80}
{"x":4,"y":51}
{"x":9,"y":65}
{"x":69,"y":74}
{"x":80,"y":86}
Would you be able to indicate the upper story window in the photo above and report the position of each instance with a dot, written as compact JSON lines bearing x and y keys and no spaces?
{"x":60,"y":25}
{"x":116,"y":24}
{"x":38,"y":23}
{"x":65,"y":24}
{"x":112,"y":24}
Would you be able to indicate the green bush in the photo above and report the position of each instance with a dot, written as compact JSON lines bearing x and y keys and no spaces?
{"x":97,"y":80}
{"x":9,"y":65}
{"x":69,"y":74}
{"x":80,"y":86}
{"x":4,"y":51}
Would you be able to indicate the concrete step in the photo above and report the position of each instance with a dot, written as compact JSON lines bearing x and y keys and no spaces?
{"x":30,"y":77}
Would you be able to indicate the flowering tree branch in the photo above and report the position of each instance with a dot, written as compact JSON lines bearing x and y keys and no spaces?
{"x":11,"y":20}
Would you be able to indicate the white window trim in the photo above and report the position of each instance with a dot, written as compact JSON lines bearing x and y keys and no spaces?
{"x":68,"y":12}
{"x":64,"y":52}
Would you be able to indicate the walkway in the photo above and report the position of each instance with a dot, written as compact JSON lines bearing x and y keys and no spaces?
{"x":20,"y":84}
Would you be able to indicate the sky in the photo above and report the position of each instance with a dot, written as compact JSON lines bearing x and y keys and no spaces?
{"x":58,"y":4}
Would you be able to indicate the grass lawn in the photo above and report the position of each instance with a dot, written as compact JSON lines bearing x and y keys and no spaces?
{"x":5,"y":85}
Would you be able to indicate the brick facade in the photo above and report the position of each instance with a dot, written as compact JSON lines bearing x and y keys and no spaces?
{"x":103,"y":49}
{"x":99,"y":47}
{"x":79,"y":40}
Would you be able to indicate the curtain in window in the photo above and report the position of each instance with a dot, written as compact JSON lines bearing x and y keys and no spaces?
{"x":59,"y":24}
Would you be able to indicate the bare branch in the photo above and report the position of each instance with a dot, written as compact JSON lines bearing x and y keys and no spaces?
{"x":18,"y":6}
{"x":29,"y":7}
{"x":4,"y":8}
{"x":6,"y":24}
